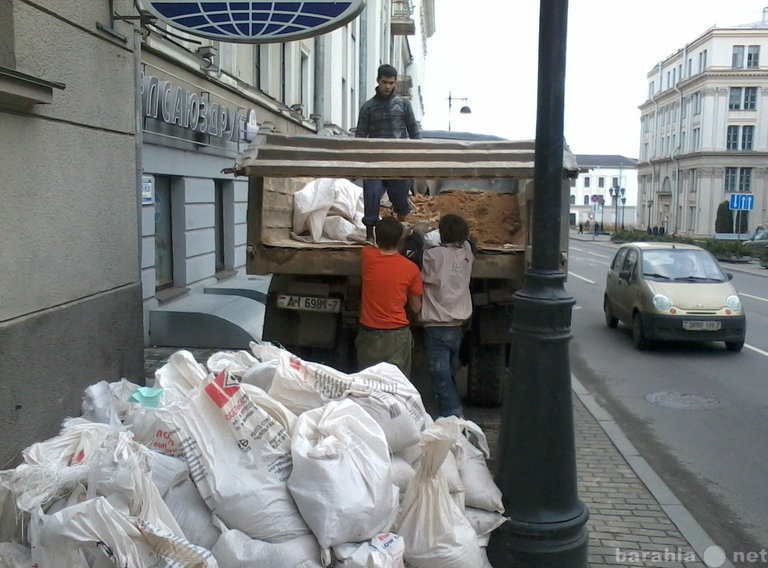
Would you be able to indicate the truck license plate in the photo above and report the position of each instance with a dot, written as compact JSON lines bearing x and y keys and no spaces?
{"x":309,"y":303}
{"x":700,"y":325}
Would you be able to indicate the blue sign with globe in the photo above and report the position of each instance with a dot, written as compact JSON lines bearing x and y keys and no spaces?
{"x":256,"y":22}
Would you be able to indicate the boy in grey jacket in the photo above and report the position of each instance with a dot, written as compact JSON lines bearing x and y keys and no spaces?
{"x":446,"y":306}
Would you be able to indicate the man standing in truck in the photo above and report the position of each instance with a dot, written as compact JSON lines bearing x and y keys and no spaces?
{"x":386,"y":115}
{"x":389,"y":283}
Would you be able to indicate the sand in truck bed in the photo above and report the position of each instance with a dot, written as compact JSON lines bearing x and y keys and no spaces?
{"x":494,"y":218}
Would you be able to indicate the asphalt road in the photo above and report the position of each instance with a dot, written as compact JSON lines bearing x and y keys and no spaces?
{"x":697,"y":413}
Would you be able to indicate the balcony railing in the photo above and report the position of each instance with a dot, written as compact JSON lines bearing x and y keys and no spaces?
{"x":402,"y":18}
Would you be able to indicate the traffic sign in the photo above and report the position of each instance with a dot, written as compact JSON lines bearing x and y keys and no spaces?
{"x":741,"y":202}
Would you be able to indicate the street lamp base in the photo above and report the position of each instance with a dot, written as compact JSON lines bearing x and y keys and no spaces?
{"x":551,"y":545}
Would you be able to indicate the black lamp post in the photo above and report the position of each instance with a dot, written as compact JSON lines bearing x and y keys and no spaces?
{"x":616,"y":192}
{"x":623,"y":203}
{"x":463,"y":110}
{"x":546,"y":525}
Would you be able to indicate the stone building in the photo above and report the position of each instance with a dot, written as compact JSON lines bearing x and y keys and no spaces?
{"x":704,"y":130}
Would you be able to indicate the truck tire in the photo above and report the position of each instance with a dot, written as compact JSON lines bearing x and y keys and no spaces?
{"x":486,"y":370}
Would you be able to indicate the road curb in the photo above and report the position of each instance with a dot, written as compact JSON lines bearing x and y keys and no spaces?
{"x":688,"y":526}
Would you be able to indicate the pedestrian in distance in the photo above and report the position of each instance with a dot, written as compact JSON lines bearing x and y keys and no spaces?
{"x":390,"y":282}
{"x":446,"y":307}
{"x":581,"y":228}
{"x":386,"y":115}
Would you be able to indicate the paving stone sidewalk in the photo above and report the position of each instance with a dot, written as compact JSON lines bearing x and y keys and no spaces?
{"x":634,"y":519}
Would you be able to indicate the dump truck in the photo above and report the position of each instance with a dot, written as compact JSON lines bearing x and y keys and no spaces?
{"x":313,"y":303}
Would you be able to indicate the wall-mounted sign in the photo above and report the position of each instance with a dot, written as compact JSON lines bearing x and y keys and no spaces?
{"x":189,"y":110}
{"x":256,"y":22}
{"x":147,"y":190}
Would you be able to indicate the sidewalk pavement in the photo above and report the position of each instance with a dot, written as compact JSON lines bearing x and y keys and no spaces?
{"x":635,"y":520}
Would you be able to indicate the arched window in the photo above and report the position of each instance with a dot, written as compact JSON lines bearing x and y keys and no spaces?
{"x":573,"y":199}
{"x":586,"y":200}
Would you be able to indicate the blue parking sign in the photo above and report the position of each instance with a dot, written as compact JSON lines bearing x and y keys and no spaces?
{"x":741,"y":202}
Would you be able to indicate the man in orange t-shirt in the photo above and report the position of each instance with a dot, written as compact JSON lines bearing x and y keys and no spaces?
{"x":389,"y":282}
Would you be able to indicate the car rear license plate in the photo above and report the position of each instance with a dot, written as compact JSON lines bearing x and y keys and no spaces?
{"x":309,"y":303}
{"x":701,"y":325}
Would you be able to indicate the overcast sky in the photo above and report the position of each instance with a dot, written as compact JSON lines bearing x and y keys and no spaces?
{"x":486,"y":52}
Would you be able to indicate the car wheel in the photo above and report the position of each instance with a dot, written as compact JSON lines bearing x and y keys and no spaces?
{"x":610,"y":319}
{"x":734,"y":346}
{"x":638,"y":335}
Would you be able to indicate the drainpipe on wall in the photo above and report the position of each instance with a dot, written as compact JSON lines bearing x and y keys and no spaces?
{"x":655,"y":138}
{"x":319,"y":102}
{"x":139,"y":136}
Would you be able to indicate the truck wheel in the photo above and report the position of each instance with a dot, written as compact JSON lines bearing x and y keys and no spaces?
{"x":486,"y":369}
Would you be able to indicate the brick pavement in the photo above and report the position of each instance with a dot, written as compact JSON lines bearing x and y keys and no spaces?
{"x":635,"y":520}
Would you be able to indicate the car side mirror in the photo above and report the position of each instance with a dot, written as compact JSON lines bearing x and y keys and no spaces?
{"x":729,"y":275}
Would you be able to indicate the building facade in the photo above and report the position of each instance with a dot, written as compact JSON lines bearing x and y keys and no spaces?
{"x":604,"y":192}
{"x":115,"y":134}
{"x":70,"y":292}
{"x":704,"y":130}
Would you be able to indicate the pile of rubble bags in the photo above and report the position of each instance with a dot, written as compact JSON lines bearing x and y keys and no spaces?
{"x":258,"y":458}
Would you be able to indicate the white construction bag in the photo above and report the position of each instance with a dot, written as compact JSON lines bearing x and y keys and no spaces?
{"x":239,"y":457}
{"x":341,"y":478}
{"x":436,"y":532}
{"x":382,"y":551}
{"x":382,"y":390}
{"x":480,"y":490}
{"x":235,"y":549}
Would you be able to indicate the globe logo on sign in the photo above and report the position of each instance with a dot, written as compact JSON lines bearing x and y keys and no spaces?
{"x":256,"y":22}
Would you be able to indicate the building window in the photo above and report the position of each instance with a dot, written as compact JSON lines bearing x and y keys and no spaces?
{"x":615,"y":182}
{"x":696,"y":139}
{"x":696,"y":100}
{"x":163,"y":233}
{"x":732,"y":138}
{"x":586,"y":181}
{"x":738,"y":179}
{"x":683,"y":148}
{"x":747,"y":135}
{"x":737,"y":59}
{"x":745,"y":179}
{"x":750,"y":98}
{"x":601,"y":181}
{"x":586,"y":200}
{"x":742,"y":98}
{"x":573,"y":199}
{"x":753,"y":57}
{"x":702,"y":61}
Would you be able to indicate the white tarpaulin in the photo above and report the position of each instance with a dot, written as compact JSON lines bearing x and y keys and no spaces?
{"x":329,"y":211}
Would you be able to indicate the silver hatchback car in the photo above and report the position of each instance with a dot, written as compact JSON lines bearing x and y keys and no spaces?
{"x":673,"y":292}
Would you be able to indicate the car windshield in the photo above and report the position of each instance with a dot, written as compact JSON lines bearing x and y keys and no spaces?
{"x":681,"y":265}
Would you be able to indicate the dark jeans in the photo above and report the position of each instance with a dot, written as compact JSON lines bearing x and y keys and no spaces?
{"x":373,"y":190}
{"x":441,"y":345}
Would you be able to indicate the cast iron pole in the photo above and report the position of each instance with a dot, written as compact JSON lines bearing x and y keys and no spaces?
{"x":537,"y":461}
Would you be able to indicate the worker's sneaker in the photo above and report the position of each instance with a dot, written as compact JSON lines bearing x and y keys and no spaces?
{"x":369,"y":236}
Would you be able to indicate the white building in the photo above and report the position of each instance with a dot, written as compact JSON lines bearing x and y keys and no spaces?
{"x":704,"y":130}
{"x":604,"y":192}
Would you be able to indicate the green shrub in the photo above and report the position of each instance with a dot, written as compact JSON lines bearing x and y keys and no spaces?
{"x":725,"y":249}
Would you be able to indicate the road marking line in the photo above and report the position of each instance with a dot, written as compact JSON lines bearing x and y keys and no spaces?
{"x":581,"y":278}
{"x":753,"y":297}
{"x":575,"y":248}
{"x":756,"y":350}
{"x":597,"y":254}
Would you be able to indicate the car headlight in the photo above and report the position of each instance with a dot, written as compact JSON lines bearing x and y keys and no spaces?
{"x":734,"y":303}
{"x":661,"y":302}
